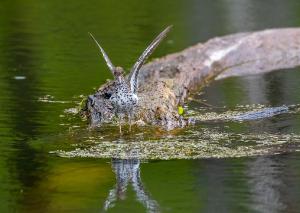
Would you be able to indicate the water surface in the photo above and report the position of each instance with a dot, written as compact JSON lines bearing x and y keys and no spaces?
{"x":45,"y":52}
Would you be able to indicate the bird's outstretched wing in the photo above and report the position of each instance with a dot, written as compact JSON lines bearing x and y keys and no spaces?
{"x":133,"y":76}
{"x":106,"y":58}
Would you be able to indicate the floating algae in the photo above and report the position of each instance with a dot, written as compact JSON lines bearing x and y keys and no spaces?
{"x":194,"y":142}
{"x":203,"y":144}
{"x":246,"y":113}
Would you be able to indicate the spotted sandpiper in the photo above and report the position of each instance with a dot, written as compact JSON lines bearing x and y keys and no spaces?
{"x":124,"y":97}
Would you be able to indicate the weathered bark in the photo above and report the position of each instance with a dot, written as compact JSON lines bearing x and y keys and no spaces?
{"x":166,"y":82}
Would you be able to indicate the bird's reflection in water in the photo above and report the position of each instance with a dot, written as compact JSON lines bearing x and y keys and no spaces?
{"x":128,"y":172}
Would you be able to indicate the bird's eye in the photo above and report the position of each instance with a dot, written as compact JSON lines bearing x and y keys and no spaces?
{"x":107,"y":95}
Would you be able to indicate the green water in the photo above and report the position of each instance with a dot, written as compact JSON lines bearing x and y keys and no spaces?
{"x":45,"y":50}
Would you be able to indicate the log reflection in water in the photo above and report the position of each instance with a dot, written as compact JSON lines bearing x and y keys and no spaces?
{"x":266,"y":185}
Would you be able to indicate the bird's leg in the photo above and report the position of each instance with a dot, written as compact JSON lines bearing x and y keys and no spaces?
{"x":130,"y":116}
{"x":120,"y":126}
{"x":129,"y":121}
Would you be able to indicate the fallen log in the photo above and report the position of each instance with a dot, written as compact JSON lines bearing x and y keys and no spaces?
{"x":165,"y":83}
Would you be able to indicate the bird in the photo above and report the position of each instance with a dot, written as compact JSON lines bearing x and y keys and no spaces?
{"x":124,"y":97}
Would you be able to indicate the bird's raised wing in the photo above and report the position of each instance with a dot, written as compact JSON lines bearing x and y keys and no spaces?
{"x":107,"y":60}
{"x":138,"y":64}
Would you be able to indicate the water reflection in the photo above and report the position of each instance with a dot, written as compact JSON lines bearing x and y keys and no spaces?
{"x":24,"y":164}
{"x":128,"y":173}
{"x":266,"y":184}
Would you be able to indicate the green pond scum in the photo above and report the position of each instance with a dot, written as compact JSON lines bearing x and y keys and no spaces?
{"x":196,"y":142}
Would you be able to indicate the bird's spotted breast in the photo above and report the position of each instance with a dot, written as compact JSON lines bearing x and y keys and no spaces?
{"x":123,"y":99}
